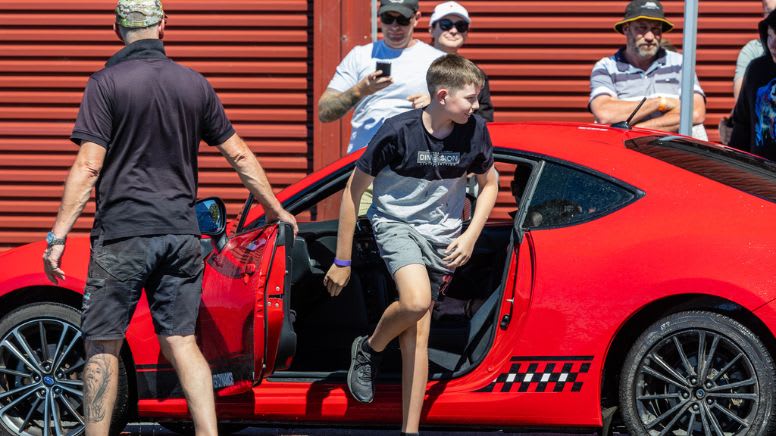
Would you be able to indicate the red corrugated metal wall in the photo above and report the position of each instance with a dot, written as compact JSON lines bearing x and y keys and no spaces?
{"x":255,"y":53}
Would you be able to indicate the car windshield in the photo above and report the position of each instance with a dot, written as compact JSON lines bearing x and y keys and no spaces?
{"x":745,"y":172}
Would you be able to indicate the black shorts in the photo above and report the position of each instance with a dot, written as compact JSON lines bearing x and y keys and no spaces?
{"x":168,"y":267}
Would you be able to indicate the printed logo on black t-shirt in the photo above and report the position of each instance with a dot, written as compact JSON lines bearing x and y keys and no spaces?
{"x":436,"y":158}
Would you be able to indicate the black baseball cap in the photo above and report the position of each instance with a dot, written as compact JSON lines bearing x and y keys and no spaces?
{"x":406,"y":8}
{"x":647,"y":10}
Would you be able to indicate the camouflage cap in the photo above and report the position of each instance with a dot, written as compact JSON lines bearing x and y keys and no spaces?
{"x":128,"y":13}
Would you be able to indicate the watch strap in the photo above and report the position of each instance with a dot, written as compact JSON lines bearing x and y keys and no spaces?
{"x":51,"y":240}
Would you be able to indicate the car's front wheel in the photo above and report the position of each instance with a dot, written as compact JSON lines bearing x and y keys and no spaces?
{"x":698,"y":373}
{"x":41,"y":362}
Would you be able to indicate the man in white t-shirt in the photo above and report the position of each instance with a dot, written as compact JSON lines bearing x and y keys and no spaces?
{"x":357,"y":82}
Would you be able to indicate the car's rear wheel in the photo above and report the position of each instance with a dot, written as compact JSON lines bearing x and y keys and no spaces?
{"x":41,"y":362}
{"x":698,"y":373}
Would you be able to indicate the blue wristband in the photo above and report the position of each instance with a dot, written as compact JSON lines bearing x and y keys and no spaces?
{"x":342,"y":263}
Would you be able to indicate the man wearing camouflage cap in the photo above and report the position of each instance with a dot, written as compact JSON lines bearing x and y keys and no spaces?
{"x":139,"y":128}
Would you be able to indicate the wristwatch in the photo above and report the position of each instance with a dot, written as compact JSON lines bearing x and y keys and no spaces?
{"x":662,"y":104}
{"x":51,"y":239}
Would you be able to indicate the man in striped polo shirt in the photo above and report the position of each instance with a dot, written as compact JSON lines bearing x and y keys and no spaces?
{"x":643,"y":69}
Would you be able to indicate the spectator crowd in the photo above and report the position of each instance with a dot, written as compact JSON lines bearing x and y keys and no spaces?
{"x":647,"y":67}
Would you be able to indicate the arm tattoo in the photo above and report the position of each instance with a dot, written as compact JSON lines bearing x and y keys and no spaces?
{"x":97,"y":375}
{"x":334,"y":106}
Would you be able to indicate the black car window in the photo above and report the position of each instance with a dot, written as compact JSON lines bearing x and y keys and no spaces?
{"x":745,"y":172}
{"x":566,"y":196}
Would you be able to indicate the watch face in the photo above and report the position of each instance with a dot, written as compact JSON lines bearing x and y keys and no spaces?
{"x":51,"y":238}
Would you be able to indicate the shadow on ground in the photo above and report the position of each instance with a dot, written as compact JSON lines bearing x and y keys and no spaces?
{"x":153,"y":429}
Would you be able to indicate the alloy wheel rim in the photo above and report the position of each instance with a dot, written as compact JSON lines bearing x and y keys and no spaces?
{"x":696,"y":382}
{"x":41,"y":392}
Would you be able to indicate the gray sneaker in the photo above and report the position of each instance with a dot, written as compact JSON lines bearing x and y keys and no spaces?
{"x":363,"y":371}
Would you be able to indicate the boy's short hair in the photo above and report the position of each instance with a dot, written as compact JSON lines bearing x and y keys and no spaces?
{"x":453,"y":71}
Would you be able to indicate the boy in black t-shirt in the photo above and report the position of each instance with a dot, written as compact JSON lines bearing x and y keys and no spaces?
{"x":418,"y":162}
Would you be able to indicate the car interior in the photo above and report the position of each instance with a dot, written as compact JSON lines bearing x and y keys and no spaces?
{"x":325,"y":326}
{"x":463,"y":320}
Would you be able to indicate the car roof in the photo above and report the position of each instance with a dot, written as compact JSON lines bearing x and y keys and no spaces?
{"x":576,"y":142}
{"x":620,"y":153}
{"x":596,"y":146}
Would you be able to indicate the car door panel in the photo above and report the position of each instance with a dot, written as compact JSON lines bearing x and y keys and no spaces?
{"x":240,"y":305}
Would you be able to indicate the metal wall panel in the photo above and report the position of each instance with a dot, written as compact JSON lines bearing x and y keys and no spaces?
{"x":256,"y":53}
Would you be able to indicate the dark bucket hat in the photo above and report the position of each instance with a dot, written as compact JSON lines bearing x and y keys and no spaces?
{"x":647,"y":10}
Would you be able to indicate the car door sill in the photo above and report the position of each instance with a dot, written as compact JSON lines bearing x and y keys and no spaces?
{"x":312,"y":376}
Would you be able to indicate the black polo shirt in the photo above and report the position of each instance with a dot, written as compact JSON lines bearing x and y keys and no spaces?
{"x":150,"y":114}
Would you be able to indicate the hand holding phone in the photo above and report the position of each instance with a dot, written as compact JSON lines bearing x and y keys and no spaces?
{"x":373,"y":82}
{"x":384,"y":68}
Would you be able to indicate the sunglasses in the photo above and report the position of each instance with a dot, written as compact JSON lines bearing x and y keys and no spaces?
{"x":390,"y":19}
{"x":447,"y":24}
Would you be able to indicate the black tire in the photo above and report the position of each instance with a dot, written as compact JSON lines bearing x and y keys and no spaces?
{"x":664,"y":390}
{"x":52,"y":342}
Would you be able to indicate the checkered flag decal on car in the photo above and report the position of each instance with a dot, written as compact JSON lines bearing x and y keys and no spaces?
{"x":541,"y":374}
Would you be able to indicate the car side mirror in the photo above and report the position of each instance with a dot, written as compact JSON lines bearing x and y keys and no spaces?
{"x":211,"y":216}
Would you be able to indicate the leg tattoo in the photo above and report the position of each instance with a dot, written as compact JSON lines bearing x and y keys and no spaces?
{"x":97,"y":375}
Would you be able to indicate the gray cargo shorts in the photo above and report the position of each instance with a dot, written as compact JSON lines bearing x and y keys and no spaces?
{"x":169,"y":267}
{"x":401,"y":245}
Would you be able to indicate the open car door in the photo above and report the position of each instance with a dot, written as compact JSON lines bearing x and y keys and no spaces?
{"x":245,"y":328}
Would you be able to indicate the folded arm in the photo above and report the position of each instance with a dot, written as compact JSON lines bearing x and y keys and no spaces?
{"x":610,"y":110}
{"x":670,"y":120}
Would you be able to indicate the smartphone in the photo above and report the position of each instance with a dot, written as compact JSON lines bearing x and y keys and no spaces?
{"x":385,"y":67}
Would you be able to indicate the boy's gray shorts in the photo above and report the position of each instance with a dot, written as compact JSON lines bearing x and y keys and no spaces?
{"x":401,"y":245}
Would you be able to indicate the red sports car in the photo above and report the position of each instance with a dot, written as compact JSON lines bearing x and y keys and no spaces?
{"x":623,"y":278}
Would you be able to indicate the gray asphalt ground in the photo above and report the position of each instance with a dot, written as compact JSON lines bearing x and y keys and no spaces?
{"x":152,"y":429}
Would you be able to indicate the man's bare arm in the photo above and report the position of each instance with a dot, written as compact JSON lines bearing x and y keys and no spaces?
{"x":333,"y":104}
{"x":670,"y":120}
{"x":82,"y":178}
{"x":78,"y":187}
{"x":252,"y":175}
{"x":609,"y":110}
